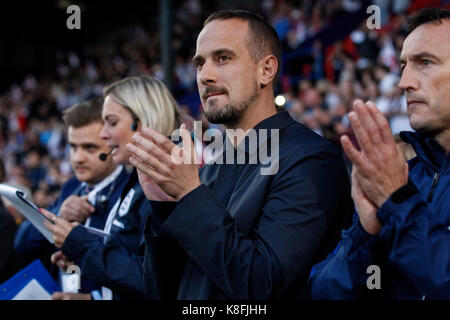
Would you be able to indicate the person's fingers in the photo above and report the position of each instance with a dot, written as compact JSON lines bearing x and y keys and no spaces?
{"x":145,"y":157}
{"x":79,"y":203}
{"x":57,"y":296}
{"x":356,"y":189}
{"x":361,"y":134}
{"x":159,"y":139}
{"x":55,"y":257}
{"x":368,"y":123}
{"x":48,"y":214}
{"x":143,"y":142}
{"x":138,"y":164}
{"x":381,"y":122}
{"x":68,"y":212}
{"x":84,"y":203}
{"x":351,"y":152}
{"x":86,"y":208}
{"x":51,"y":226}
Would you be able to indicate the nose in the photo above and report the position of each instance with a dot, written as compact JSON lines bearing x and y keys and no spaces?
{"x":78,"y":155}
{"x":104,"y":133}
{"x":409,"y":80}
{"x":207,"y":74}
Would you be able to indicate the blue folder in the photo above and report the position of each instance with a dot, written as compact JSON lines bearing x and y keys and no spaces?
{"x":35,"y":270}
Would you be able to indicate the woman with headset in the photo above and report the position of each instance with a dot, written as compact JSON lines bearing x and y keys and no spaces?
{"x":115,"y":260}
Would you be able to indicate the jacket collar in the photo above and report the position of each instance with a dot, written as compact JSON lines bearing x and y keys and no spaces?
{"x":278,"y":121}
{"x":426,"y":148}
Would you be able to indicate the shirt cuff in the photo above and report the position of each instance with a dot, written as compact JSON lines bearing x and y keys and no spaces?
{"x":188,"y":200}
{"x":358,"y":234}
{"x":161,"y":210}
{"x":400,"y":196}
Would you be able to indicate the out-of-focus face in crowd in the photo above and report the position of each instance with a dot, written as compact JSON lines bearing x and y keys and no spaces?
{"x":85,"y":147}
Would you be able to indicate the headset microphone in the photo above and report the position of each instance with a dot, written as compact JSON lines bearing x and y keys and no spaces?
{"x":103,"y":156}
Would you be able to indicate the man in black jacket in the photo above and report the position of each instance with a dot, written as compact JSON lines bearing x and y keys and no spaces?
{"x":240,"y":229}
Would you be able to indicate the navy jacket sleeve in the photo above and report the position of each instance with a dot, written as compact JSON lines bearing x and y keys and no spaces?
{"x":116,"y":264}
{"x":164,"y":260}
{"x":418,"y":241}
{"x":418,"y":246}
{"x":280,"y":248}
{"x":343,"y":274}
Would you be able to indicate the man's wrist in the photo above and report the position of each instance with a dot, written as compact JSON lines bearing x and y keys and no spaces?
{"x":187,"y":191}
{"x":385,"y":197}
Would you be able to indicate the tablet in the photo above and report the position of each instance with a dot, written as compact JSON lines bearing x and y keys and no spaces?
{"x":28,"y":209}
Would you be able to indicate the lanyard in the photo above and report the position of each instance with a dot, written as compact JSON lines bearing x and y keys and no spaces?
{"x":100,"y":186}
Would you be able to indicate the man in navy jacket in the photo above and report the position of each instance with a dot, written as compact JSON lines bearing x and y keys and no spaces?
{"x":241,"y":229}
{"x":399,"y":244}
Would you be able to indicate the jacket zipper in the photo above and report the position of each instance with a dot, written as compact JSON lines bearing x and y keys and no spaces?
{"x":433,"y":186}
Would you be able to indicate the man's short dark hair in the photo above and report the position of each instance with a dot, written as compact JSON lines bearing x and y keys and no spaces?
{"x":427,"y":15}
{"x":84,"y":113}
{"x":262,"y":37}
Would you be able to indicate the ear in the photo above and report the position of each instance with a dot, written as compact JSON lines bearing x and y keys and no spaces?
{"x":136,"y":125}
{"x":139,"y":125}
{"x":268,"y":67}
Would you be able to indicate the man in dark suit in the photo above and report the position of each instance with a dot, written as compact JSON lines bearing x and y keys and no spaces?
{"x":241,"y":229}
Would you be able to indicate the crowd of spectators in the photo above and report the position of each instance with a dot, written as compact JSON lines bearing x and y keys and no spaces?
{"x":319,"y":90}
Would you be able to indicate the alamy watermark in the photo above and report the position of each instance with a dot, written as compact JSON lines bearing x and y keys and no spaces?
{"x":73,"y":280}
{"x":74,"y":20}
{"x":374,"y":280}
{"x":259,"y":146}
{"x":374,"y":21}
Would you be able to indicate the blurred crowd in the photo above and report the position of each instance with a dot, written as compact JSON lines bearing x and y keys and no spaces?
{"x":318,"y":91}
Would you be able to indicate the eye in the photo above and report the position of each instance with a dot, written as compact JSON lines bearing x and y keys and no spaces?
{"x":198,"y":64}
{"x":223,"y":58}
{"x":426,"y":62}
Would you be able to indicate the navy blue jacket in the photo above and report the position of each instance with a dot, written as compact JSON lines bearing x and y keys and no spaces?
{"x":413,"y":246}
{"x":116,"y":263}
{"x":244,"y":235}
{"x":31,"y":244}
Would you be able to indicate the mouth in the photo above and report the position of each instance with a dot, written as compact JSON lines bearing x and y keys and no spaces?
{"x":215,"y":94}
{"x":113,"y":150}
{"x":80,"y":169}
{"x":413,"y":102}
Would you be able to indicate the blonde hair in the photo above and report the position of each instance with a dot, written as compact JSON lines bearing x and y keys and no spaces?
{"x":149,"y":101}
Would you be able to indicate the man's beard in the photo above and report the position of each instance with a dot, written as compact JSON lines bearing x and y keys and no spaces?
{"x":231,"y":113}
